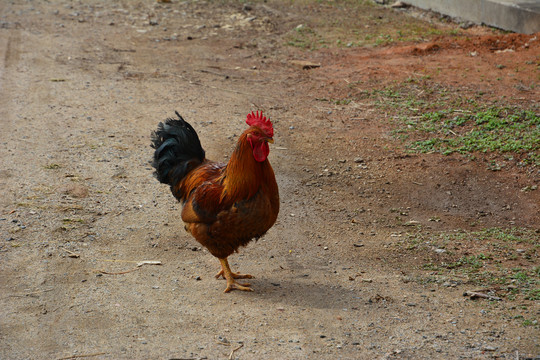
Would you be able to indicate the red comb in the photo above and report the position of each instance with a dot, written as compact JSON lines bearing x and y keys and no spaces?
{"x":257,"y":119}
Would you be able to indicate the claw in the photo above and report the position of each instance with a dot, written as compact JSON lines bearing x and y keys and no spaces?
{"x":237,"y":286}
{"x":235,"y":275}
{"x":230,"y":277}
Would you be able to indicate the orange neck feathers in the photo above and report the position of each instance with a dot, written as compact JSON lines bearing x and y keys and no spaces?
{"x":244,"y":176}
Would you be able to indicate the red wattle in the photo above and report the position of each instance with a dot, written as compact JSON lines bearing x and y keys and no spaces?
{"x":261,"y":151}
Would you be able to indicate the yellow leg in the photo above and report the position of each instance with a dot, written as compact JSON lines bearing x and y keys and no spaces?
{"x":230,"y":277}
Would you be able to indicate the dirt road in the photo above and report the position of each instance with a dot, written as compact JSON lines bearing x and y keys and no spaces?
{"x":340,"y":276}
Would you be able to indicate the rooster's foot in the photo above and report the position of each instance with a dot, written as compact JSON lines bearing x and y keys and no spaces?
{"x":234,"y":275}
{"x":232,"y":284}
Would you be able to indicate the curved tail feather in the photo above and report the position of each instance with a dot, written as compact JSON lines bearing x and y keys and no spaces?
{"x":178,"y":150}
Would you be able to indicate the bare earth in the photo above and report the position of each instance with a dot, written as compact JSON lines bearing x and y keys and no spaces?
{"x":82,"y":85}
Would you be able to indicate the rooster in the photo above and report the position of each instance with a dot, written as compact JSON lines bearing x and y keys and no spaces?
{"x":225,"y":206}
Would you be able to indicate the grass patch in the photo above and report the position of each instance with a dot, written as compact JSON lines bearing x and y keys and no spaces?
{"x":71,"y":221}
{"x":429,"y":118}
{"x":504,"y":130}
{"x":336,"y":101}
{"x":305,"y":37}
{"x":359,"y":23}
{"x":503,"y":259}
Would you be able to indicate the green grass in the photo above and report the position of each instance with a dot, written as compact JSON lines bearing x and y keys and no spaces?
{"x":504,"y":258}
{"x":429,"y":118}
{"x":359,"y":23}
{"x":504,"y":235}
{"x":305,"y":37}
{"x":504,"y":130}
{"x":336,"y":101}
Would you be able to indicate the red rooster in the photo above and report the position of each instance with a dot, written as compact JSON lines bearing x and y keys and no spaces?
{"x":225,"y":206}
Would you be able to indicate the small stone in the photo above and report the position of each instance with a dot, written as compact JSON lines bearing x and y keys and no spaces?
{"x":489,"y":348}
{"x":466,"y":25}
{"x":305,"y":65}
{"x":358,"y":160}
{"x":75,"y":190}
{"x":399,"y":5}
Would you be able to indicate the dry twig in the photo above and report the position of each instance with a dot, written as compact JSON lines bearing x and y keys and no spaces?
{"x":71,"y":253}
{"x":81,"y":356}
{"x":474,"y":295}
{"x":209,"y":86}
{"x":139,"y":264}
{"x":30,"y":293}
{"x":117,"y":273}
{"x":233,"y":350}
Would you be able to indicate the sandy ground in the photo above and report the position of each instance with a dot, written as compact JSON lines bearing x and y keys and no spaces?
{"x":82,"y":85}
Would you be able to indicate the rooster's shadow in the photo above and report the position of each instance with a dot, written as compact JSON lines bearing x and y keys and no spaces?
{"x":306,"y":292}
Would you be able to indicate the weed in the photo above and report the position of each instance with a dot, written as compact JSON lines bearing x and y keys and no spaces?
{"x":492,"y":130}
{"x":488,"y":266}
{"x":370,"y":26}
{"x":429,"y":118}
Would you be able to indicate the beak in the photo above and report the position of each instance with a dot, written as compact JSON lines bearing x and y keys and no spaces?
{"x":270,"y":140}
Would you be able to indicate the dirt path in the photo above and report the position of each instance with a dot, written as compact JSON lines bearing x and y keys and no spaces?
{"x":82,"y":85}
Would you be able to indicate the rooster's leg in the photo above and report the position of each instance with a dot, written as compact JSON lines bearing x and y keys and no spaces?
{"x":230,"y":277}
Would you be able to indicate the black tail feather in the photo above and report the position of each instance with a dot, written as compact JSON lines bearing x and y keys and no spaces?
{"x":178,"y":150}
